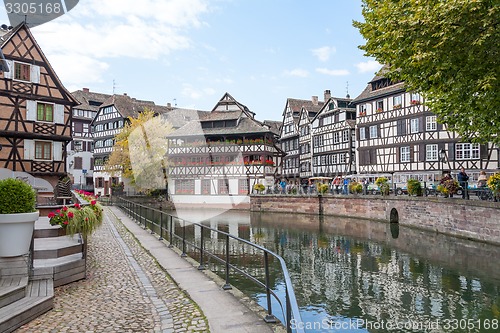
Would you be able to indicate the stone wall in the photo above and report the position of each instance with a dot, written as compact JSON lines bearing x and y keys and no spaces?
{"x":472,"y":219}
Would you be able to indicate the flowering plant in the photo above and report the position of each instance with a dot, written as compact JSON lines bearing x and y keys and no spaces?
{"x":494,"y":184}
{"x":78,"y":219}
{"x":415,"y":102}
{"x":379,"y":110}
{"x":397,"y":106}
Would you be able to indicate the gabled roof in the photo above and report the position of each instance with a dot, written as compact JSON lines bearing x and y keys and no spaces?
{"x":245,"y":126}
{"x":369,"y":94}
{"x":131,"y":107}
{"x":296,"y":105}
{"x":86,"y":97}
{"x":5,"y":39}
{"x":227,"y":103}
{"x":274,"y":126}
{"x":325,"y":109}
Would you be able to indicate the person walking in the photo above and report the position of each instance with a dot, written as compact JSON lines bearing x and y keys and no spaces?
{"x":462,"y":180}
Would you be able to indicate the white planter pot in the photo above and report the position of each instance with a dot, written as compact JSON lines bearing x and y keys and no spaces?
{"x":16,"y":231}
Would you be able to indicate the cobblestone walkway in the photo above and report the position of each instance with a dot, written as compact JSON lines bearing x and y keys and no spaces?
{"x":125,"y":291}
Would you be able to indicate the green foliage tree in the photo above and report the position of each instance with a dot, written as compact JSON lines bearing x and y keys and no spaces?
{"x":448,"y":51}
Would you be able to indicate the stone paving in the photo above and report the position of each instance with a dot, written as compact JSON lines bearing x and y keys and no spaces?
{"x":125,"y":291}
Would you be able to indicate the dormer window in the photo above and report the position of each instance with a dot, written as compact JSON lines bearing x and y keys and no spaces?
{"x":22,"y":71}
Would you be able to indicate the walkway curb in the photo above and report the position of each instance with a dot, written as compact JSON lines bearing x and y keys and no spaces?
{"x":224,"y":311}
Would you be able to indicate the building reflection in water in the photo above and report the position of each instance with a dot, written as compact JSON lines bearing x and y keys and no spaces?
{"x":343,"y":269}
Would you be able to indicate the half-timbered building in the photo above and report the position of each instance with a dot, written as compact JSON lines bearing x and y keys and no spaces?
{"x":80,"y":161}
{"x":333,"y":138}
{"x":295,"y":135}
{"x":396,"y":132}
{"x":218,"y":158}
{"x":109,"y":121}
{"x":35,"y":110}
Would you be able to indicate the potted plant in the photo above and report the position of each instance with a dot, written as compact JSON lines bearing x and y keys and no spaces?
{"x":414,"y":187}
{"x":322,"y":188}
{"x":355,"y":187}
{"x":17,"y":217}
{"x":383,"y":185}
{"x":494,"y":184}
{"x":259,"y":187}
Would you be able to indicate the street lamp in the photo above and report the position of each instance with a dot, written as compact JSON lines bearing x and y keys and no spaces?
{"x":442,"y":156}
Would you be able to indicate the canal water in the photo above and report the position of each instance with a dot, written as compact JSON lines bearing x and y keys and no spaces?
{"x":352,"y":275}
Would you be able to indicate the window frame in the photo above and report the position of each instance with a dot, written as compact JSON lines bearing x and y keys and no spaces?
{"x":405,"y":154}
{"x":432,"y":152}
{"x":373,"y":129}
{"x":431,"y":123}
{"x":45,"y":146}
{"x":472,"y":150}
{"x":414,"y":125}
{"x":44,"y":112}
{"x":21,"y":66}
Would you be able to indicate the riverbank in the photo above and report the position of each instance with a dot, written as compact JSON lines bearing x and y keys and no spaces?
{"x":475,"y":220}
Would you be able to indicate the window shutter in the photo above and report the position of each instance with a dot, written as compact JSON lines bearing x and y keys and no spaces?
{"x":439,"y":126}
{"x":367,"y":132}
{"x":451,"y":151}
{"x":421,"y":152}
{"x":373,"y":156}
{"x":78,"y":163}
{"x":379,"y":134}
{"x":31,"y":110}
{"x":421,"y":125}
{"x":59,"y":114}
{"x":398,"y":154}
{"x":10,"y":73}
{"x":57,"y":150}
{"x":72,"y":144}
{"x":92,"y":163}
{"x":29,"y":149}
{"x":35,"y":74}
{"x":483,"y":152}
{"x":78,"y":126}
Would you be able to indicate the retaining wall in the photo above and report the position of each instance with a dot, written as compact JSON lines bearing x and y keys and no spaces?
{"x":469,"y":219}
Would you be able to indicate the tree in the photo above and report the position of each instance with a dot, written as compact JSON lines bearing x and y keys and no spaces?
{"x":448,"y":51}
{"x":140,"y":151}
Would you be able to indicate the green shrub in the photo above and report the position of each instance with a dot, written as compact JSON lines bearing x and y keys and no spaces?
{"x":414,"y":187}
{"x":259,"y":187}
{"x":355,"y":187}
{"x":16,"y":196}
{"x":383,"y":185}
{"x":322,"y":188}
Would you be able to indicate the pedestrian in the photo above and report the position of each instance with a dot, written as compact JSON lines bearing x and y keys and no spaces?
{"x":336,"y":183}
{"x":346,"y":186}
{"x":283,"y":186}
{"x":463,"y":181}
{"x":482,"y":180}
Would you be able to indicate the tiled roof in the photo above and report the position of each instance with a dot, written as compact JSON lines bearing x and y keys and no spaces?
{"x":179,"y":117}
{"x":221,"y":115}
{"x":85,"y":97}
{"x":130,"y":107}
{"x":296,"y":104}
{"x":274,"y":125}
{"x":369,"y":94}
{"x":245,"y":126}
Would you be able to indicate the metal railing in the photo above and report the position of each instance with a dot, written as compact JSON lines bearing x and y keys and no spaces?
{"x":165,"y":224}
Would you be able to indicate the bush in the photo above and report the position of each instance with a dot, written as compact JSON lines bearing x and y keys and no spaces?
{"x":322,"y":188}
{"x":259,"y":187}
{"x":494,"y":184}
{"x":448,"y":187}
{"x":383,"y":185}
{"x":355,"y":187}
{"x":414,"y":187}
{"x":16,"y":196}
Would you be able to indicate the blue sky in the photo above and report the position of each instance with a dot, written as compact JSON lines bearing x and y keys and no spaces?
{"x":190,"y":52}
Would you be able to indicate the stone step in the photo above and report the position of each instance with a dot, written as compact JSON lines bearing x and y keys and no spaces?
{"x":62,"y":270}
{"x":39,"y":298}
{"x":55,"y":247}
{"x":12,"y":289}
{"x":43,"y":229}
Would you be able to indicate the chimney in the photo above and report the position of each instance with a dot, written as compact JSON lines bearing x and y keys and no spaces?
{"x":125,"y":94}
{"x":169,"y":105}
{"x":314,"y":100}
{"x":328,"y":94}
{"x":86,"y":90}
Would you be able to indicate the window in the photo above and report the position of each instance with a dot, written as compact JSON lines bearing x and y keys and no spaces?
{"x":99,"y":182}
{"x":336,"y":137}
{"x":414,"y":125}
{"x":223,"y":186}
{"x":318,"y":141}
{"x":397,"y":102}
{"x":362,"y":133}
{"x":345,"y":135}
{"x":243,"y":186}
{"x":415,"y":98}
{"x":430,"y":123}
{"x":184,"y":186}
{"x":373,"y":131}
{"x":467,"y":151}
{"x":431,"y":152}
{"x":78,"y":145}
{"x":22,"y":71}
{"x":43,"y":150}
{"x":45,"y":112}
{"x":115,"y":180}
{"x":380,"y":106}
{"x":342,"y":158}
{"x":405,"y":154}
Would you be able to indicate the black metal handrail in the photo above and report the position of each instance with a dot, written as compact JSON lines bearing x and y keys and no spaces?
{"x":290,"y":308}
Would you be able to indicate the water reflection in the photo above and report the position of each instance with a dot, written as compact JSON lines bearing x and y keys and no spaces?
{"x":345,"y":270}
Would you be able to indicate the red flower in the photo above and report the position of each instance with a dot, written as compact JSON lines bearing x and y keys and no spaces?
{"x":51,"y":215}
{"x":77,"y":206}
{"x":65,"y":208}
{"x":58,"y":211}
{"x":93,"y":202}
{"x":70,"y":214}
{"x":86,"y":219}
{"x":61,"y":215}
{"x":66,"y":222}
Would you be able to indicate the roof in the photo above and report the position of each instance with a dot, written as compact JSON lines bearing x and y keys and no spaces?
{"x":84,"y":97}
{"x":245,"y":126}
{"x":131,"y":107}
{"x":297,"y":104}
{"x":274,"y":125}
{"x":221,"y":115}
{"x":369,"y":94}
{"x":179,"y":117}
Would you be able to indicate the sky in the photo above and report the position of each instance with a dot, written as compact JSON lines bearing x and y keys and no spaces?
{"x":191,"y":52}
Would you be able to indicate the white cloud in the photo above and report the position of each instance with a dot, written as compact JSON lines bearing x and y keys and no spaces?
{"x":96,"y":31}
{"x":368,"y":66}
{"x":196,"y":93}
{"x":324,"y":53}
{"x":333,"y":72}
{"x":297,"y":72}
